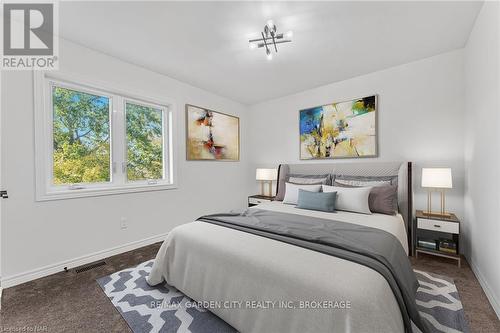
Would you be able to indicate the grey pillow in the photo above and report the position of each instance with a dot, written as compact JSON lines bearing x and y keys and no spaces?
{"x":382,"y":199}
{"x":300,"y":179}
{"x":322,"y":201}
{"x":392,"y":180}
{"x":307,"y":181}
{"x":363,"y":183}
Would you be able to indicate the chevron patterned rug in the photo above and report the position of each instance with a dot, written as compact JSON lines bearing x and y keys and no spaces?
{"x":165,"y":309}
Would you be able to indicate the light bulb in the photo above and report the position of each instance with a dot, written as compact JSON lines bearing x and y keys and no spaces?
{"x":269,"y":56}
{"x":270,"y":24}
{"x":252,"y":46}
{"x":289,"y":34}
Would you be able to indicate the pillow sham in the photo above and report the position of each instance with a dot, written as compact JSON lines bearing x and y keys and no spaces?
{"x":346,"y":179}
{"x":292,"y":192}
{"x":382,"y":199}
{"x":298,"y":178}
{"x":361,"y":183}
{"x":307,"y":181}
{"x":322,"y":201}
{"x":351,"y":199}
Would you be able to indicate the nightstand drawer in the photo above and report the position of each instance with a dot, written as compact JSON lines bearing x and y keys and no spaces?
{"x":436,"y":225}
{"x":256,"y":201}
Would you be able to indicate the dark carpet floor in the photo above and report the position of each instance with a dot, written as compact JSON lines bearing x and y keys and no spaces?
{"x":71,"y":302}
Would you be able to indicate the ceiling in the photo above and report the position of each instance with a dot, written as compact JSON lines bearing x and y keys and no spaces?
{"x":205,"y":44}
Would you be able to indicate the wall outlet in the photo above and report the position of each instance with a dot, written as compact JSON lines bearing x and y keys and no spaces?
{"x":123,"y":223}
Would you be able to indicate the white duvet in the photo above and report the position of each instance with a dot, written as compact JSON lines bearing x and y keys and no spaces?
{"x":258,"y":284}
{"x":393,"y":224}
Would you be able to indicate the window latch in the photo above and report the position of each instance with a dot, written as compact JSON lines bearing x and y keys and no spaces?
{"x":3,"y":194}
{"x":152,"y":182}
{"x":76,"y":187}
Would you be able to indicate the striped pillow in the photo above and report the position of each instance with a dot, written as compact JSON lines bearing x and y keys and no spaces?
{"x":301,"y":179}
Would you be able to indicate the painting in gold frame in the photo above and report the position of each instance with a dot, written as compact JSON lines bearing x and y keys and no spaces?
{"x":339,"y":130}
{"x":211,"y":135}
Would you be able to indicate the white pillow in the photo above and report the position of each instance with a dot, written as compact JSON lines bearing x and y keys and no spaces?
{"x":292,"y":192}
{"x":351,"y":199}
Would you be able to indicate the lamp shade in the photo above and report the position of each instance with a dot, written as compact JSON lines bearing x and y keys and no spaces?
{"x":266,"y":174}
{"x":436,"y":177}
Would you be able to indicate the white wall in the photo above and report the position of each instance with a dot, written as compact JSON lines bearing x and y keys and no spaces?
{"x":420,"y":114}
{"x":482,"y":147}
{"x":39,"y":234}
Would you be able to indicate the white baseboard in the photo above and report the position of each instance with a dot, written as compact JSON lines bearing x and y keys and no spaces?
{"x":487,"y":290}
{"x":13,"y":280}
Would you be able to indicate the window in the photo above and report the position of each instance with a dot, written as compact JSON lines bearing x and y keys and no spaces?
{"x":93,"y":141}
{"x":144,"y":142}
{"x":81,"y":137}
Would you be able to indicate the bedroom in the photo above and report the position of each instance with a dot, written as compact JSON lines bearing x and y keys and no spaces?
{"x":127,"y":121}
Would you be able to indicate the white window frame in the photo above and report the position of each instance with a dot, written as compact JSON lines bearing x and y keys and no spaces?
{"x":165,"y":122}
{"x":46,"y":190}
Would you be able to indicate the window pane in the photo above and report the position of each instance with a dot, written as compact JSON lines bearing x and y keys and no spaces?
{"x":144,"y":142}
{"x":81,"y":137}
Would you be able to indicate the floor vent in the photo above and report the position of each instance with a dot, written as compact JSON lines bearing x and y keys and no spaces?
{"x":89,"y":267}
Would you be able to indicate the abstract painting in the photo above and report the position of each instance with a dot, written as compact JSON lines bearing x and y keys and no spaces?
{"x":339,"y":130}
{"x":211,"y":135}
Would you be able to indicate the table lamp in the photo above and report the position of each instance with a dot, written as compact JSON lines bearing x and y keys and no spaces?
{"x":436,"y":179}
{"x":264,"y":176}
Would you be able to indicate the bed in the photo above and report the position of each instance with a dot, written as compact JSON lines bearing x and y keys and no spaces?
{"x":259,"y":284}
{"x":393,"y":224}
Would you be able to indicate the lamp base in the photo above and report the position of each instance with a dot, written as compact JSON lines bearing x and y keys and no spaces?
{"x":442,"y":213}
{"x":436,"y":214}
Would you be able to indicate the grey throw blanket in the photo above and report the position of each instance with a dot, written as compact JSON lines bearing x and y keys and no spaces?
{"x":371,"y":247}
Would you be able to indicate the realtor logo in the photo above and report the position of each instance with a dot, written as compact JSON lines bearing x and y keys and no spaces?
{"x":34,"y":35}
{"x":29,"y":40}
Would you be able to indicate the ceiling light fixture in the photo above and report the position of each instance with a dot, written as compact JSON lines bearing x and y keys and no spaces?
{"x":270,"y":39}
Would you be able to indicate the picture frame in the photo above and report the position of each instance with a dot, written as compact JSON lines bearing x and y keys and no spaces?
{"x":340,"y":130}
{"x":211,"y":135}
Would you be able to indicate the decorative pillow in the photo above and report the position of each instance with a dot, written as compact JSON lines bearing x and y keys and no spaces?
{"x":323,"y":201}
{"x":365,"y":180}
{"x":325,"y":178}
{"x":382,"y":199}
{"x":292,"y":192}
{"x":300,"y":179}
{"x":351,"y":199}
{"x":361,"y":183}
{"x":307,"y":181}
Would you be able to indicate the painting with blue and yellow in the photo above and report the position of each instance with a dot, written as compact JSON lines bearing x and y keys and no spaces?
{"x":339,"y":130}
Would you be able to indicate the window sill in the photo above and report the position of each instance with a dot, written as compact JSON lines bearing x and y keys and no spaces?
{"x":97,"y":192}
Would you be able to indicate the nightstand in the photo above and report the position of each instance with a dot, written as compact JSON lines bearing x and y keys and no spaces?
{"x":438,"y":236}
{"x":254,"y":200}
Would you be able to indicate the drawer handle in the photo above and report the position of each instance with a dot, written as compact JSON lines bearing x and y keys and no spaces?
{"x":437,"y":225}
